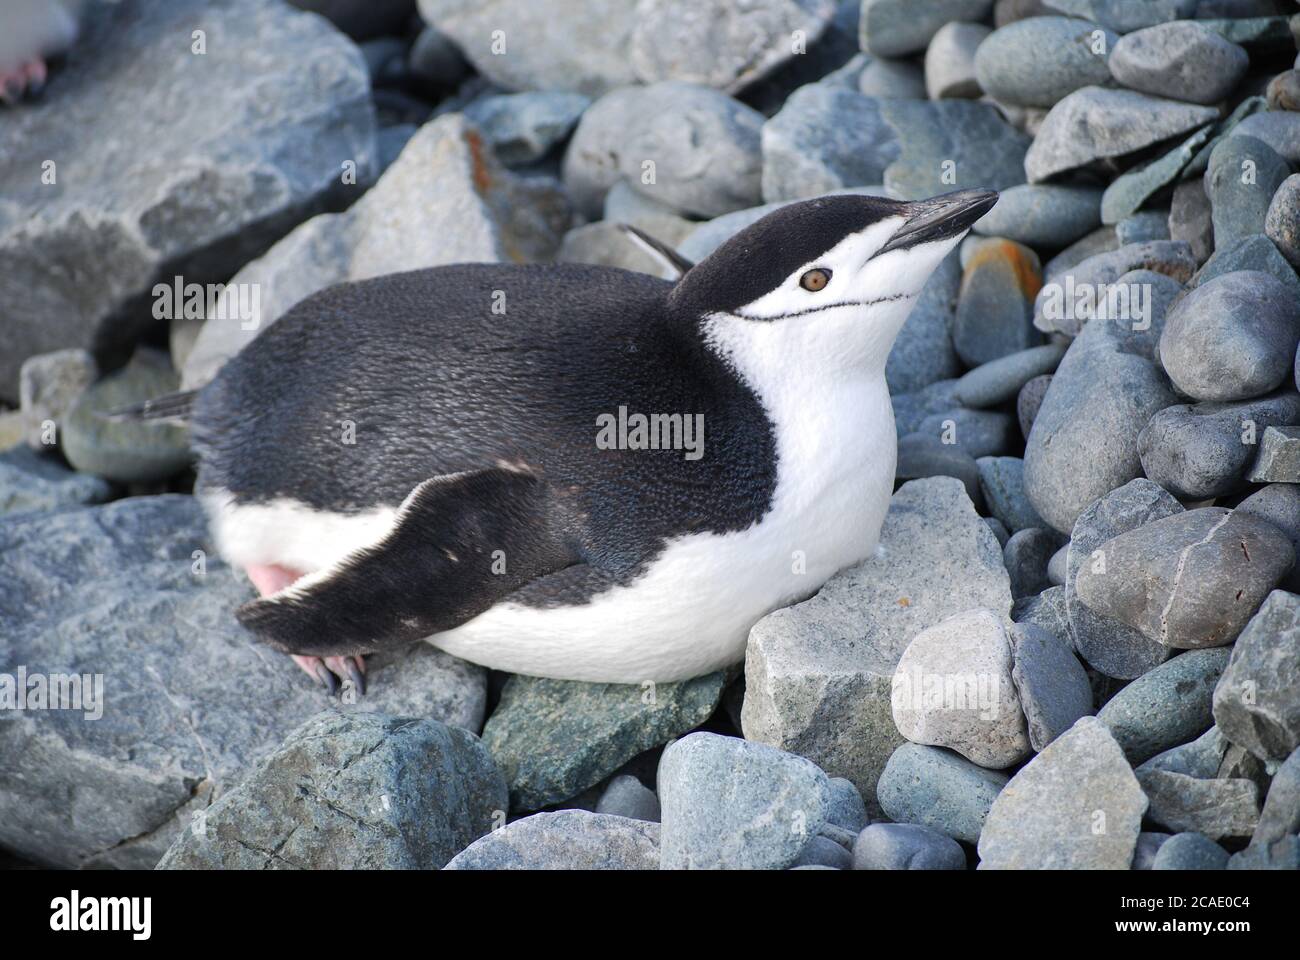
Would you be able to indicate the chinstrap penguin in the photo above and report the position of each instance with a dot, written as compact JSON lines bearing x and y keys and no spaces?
{"x":417,"y":456}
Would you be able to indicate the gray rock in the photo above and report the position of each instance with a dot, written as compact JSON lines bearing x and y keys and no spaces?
{"x":1101,"y":240}
{"x":1095,"y":123}
{"x":1282,"y":854}
{"x":1279,"y":456}
{"x":1056,"y":567}
{"x":811,"y":691}
{"x":995,"y":305}
{"x":351,"y":792}
{"x":1280,"y":129}
{"x":1279,"y":504}
{"x":1111,"y":647}
{"x":1026,"y":555}
{"x":120,"y":591}
{"x":1283,"y":91}
{"x":1189,"y":581}
{"x":1282,"y":222}
{"x":1030,"y":400}
{"x":281,"y":103}
{"x":1091,"y":288}
{"x":911,"y":409}
{"x":1050,"y":682}
{"x":1100,"y":398}
{"x":733,"y":804}
{"x":1043,"y":215}
{"x":950,"y":60}
{"x":1201,"y":451}
{"x":626,"y":796}
{"x":555,"y":738}
{"x":1167,"y":706}
{"x":1191,"y":219}
{"x":846,"y":808}
{"x":953,"y":689}
{"x":1047,"y":610}
{"x":444,"y":200}
{"x":823,"y":139}
{"x":999,"y":531}
{"x":1148,"y":846}
{"x":1048,"y":814}
{"x":566,"y":840}
{"x":1143,"y":227}
{"x":951,"y":144}
{"x":981,"y":433}
{"x":1257,"y":701}
{"x":1190,"y":851}
{"x":1183,"y":60}
{"x":523,"y":127}
{"x":892,"y":79}
{"x":719,"y":44}
{"x":31,"y":482}
{"x":687,"y":146}
{"x":1216,"y":808}
{"x":925,"y":455}
{"x":1242,"y":177}
{"x":823,"y":852}
{"x":581,"y":45}
{"x":1151,"y":295}
{"x":607,"y":244}
{"x":923,"y":352}
{"x":1232,"y":337}
{"x":1281,"y":814}
{"x":1002,"y":483}
{"x":895,"y":28}
{"x":1038,"y":61}
{"x":939,"y":789}
{"x":1262,"y":35}
{"x":49,"y":384}
{"x":1255,"y":253}
{"x":906,"y":846}
{"x":126,"y":451}
{"x":1123,"y":16}
{"x":436,"y":60}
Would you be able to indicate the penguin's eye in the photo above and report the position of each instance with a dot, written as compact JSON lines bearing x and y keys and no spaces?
{"x":815,"y":279}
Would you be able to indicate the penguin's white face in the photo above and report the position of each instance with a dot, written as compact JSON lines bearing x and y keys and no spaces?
{"x":842,"y":309}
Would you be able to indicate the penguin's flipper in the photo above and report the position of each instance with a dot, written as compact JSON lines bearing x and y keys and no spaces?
{"x":460,"y":543}
{"x":172,"y":408}
{"x":665,"y":254}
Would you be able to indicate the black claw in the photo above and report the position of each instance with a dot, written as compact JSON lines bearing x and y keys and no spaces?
{"x":327,"y":679}
{"x":357,"y":678}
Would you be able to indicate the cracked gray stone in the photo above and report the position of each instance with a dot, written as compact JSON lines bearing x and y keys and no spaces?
{"x":1190,"y":580}
{"x":190,"y":700}
{"x":356,"y":792}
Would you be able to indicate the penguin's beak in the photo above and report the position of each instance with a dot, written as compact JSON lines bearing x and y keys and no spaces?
{"x":941,"y":218}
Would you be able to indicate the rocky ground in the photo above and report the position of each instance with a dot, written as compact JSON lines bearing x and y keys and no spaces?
{"x":1080,"y":644}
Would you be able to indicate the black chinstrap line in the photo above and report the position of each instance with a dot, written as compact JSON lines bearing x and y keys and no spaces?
{"x":829,"y":306}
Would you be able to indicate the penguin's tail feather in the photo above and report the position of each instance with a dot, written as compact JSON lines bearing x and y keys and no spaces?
{"x":175,"y":407}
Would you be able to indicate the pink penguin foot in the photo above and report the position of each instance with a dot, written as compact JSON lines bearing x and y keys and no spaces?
{"x":327,"y":671}
{"x":27,"y":77}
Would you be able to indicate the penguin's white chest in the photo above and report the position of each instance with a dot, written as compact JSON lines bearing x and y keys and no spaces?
{"x":691,"y":610}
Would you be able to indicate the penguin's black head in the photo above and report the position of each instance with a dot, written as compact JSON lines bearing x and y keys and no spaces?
{"x":834,"y":276}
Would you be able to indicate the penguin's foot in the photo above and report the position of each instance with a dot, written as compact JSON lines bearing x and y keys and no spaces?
{"x":327,"y":671}
{"x":26,"y":77}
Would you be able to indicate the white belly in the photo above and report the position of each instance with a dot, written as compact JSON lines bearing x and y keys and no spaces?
{"x":691,"y":612}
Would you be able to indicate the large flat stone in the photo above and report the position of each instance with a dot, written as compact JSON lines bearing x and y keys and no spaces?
{"x":189,"y":700}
